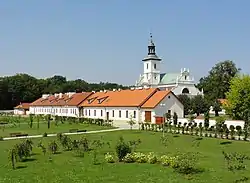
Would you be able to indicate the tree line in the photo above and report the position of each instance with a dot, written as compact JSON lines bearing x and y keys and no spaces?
{"x":26,"y":88}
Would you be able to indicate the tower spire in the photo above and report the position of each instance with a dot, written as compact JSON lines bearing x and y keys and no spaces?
{"x":151,"y":46}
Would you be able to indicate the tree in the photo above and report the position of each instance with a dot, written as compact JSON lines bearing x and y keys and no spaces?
{"x":206,"y":120}
{"x":175,"y":118}
{"x":186,"y":101}
{"x":199,"y":105}
{"x":216,"y":84}
{"x":238,"y":98}
{"x":53,"y":147}
{"x":220,"y":120}
{"x":131,"y":122}
{"x":31,"y":116}
{"x":216,"y":107}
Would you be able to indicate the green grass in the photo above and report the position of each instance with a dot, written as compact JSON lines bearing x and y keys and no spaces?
{"x":43,"y":127}
{"x":66,"y":167}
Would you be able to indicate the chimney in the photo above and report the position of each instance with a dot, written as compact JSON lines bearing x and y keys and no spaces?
{"x":93,"y":91}
{"x":45,"y":96}
{"x":119,"y":89}
{"x":114,"y":90}
{"x":101,"y":91}
{"x":60,"y":95}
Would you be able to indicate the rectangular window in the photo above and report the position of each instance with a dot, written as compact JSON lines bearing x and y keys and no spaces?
{"x":134,"y":114}
{"x":126,"y":114}
{"x":147,"y":66}
{"x":113,"y":113}
{"x":120,"y":114}
{"x":154,"y":66}
{"x":94,"y":112}
{"x":101,"y":112}
{"x":89,"y":112}
{"x":86,"y":112}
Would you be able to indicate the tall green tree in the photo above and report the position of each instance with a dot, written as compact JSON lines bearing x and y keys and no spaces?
{"x":186,"y":101}
{"x":216,"y":84}
{"x":238,"y":98}
{"x":199,"y":105}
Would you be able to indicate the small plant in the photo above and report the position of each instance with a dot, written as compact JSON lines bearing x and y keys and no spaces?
{"x":168,"y":161}
{"x":122,"y":149}
{"x":53,"y":147}
{"x":131,"y":122}
{"x":109,"y":158}
{"x":45,"y":134}
{"x":40,"y":145}
{"x":152,"y":158}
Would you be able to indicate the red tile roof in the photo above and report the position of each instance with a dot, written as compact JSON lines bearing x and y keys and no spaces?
{"x":153,"y":101}
{"x":122,"y":98}
{"x":23,"y":106}
{"x":64,"y":100}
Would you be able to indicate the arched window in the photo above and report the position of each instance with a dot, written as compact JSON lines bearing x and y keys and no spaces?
{"x":185,"y":91}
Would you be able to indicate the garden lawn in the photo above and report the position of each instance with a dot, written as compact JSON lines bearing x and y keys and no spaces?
{"x":65,"y":167}
{"x":43,"y":127}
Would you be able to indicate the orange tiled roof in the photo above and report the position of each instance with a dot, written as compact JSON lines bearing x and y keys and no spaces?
{"x":123,"y":98}
{"x":154,"y":100}
{"x":23,"y":106}
{"x":64,"y":100}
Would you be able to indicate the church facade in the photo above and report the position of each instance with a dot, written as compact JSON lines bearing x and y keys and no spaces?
{"x":179,"y":83}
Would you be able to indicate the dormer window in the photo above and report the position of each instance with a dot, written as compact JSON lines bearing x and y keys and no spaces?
{"x":100,"y":100}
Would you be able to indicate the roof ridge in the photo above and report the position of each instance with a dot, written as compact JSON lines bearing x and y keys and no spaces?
{"x":147,"y":98}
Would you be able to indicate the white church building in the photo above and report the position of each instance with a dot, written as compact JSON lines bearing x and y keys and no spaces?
{"x":179,"y":83}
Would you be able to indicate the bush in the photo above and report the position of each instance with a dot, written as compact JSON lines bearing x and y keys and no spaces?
{"x":152,"y":158}
{"x":122,"y":149}
{"x":168,"y":161}
{"x":185,"y":163}
{"x":45,"y":134}
{"x":129,"y":158}
{"x":135,"y":157}
{"x":1,"y":138}
{"x":109,"y":158}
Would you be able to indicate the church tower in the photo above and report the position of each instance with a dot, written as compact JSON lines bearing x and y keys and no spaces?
{"x":151,"y":71}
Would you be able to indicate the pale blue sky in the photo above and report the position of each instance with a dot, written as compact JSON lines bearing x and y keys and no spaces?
{"x":99,"y":40}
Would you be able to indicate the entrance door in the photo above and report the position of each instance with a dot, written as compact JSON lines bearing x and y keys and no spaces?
{"x":107,"y":116}
{"x":147,"y":116}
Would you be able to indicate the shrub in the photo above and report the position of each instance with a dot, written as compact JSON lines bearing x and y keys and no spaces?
{"x":140,"y":157}
{"x":109,"y":158}
{"x":185,"y":163}
{"x":168,"y":161}
{"x":135,"y":157}
{"x":129,"y":158}
{"x":152,"y":158}
{"x":53,"y":147}
{"x":122,"y":149}
{"x":45,"y":134}
{"x":1,"y":138}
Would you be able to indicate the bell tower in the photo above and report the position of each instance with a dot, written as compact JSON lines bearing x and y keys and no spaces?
{"x":151,"y":71}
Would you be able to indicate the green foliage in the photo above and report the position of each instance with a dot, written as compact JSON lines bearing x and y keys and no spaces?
{"x":122,"y":149}
{"x":109,"y":158}
{"x":216,"y":84}
{"x":235,"y":161}
{"x":43,"y":148}
{"x":216,"y":107}
{"x":206,"y":119}
{"x":199,"y":105}
{"x":186,"y":101}
{"x":175,"y":118}
{"x":25,"y":88}
{"x":131,"y":122}
{"x":186,"y":163}
{"x":53,"y":147}
{"x":135,"y":157}
{"x":31,"y":116}
{"x":239,"y":98}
